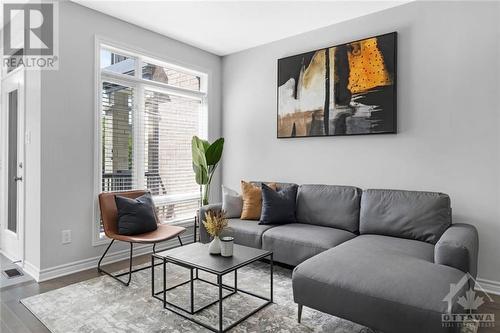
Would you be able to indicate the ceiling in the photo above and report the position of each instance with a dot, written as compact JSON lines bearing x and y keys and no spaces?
{"x":224,"y":27}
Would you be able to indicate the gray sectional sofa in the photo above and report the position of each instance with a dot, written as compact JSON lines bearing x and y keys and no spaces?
{"x":381,"y":258}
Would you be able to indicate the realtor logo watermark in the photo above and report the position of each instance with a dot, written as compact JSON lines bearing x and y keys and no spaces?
{"x":30,"y":35}
{"x":465,"y":311}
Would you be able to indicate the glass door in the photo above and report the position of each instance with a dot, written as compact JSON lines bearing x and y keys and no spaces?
{"x":12,"y":160}
{"x":12,"y":165}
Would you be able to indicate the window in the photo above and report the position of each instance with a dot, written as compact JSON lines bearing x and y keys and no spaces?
{"x":117,"y":63}
{"x":148,"y":112}
{"x":116,"y":142}
{"x":171,"y":76}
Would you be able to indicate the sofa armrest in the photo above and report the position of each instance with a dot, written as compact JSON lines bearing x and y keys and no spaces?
{"x":204,"y":236}
{"x":458,"y":247}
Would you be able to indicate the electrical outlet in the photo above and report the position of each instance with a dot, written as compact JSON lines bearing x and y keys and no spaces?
{"x":66,"y":236}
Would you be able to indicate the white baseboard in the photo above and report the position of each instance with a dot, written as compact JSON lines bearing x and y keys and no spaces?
{"x":31,"y":270}
{"x":81,"y":265}
{"x":489,"y":286}
{"x":26,"y":266}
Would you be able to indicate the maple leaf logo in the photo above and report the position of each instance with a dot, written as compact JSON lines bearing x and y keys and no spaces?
{"x":470,"y":301}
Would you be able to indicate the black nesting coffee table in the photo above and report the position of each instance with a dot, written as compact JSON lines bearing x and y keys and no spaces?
{"x":195,"y":257}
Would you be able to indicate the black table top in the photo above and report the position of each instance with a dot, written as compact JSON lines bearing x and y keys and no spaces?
{"x":196,"y":255}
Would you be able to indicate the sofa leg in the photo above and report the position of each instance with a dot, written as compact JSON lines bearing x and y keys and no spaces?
{"x":299,"y":318}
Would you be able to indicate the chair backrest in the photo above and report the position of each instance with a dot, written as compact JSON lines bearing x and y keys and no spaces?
{"x":109,"y":212}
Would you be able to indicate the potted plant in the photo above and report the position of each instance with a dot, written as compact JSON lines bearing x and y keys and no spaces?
{"x":215,"y":223}
{"x":206,"y":157}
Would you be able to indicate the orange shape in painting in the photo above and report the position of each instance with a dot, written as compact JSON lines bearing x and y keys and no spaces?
{"x":366,"y":66}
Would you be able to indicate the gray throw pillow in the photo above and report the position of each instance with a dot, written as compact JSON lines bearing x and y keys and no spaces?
{"x":232,"y":202}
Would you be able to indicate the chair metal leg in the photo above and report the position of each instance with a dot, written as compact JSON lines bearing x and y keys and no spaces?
{"x":130,"y":264}
{"x":106,"y":251}
{"x":299,"y":313}
{"x":130,"y":270}
{"x":116,"y":277}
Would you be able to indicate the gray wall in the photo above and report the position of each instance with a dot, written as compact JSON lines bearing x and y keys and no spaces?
{"x":67,"y":139}
{"x":448,"y":118}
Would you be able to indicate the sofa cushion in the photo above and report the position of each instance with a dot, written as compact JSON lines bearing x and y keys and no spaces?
{"x":246,"y":232}
{"x":293,"y":243}
{"x":409,"y":214}
{"x":386,"y":283}
{"x":252,"y":200}
{"x":329,"y":206}
{"x":278,"y":206}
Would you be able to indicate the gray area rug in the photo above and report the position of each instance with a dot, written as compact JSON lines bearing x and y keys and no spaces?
{"x":103,"y":305}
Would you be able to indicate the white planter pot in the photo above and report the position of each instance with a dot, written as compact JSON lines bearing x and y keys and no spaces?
{"x":214,"y":246}
{"x":226,"y":246}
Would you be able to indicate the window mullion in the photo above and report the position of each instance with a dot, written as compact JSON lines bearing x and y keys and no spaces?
{"x":138,"y":68}
{"x":204,"y":118}
{"x":139,"y":167}
{"x":160,"y":86}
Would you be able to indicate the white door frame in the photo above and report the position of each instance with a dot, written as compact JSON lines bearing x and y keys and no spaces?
{"x":12,"y":244}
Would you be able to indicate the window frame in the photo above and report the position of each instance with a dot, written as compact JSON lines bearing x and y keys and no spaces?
{"x":138,"y":84}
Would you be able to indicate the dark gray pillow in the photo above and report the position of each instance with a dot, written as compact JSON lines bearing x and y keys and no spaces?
{"x":135,"y":216}
{"x":278,"y":207}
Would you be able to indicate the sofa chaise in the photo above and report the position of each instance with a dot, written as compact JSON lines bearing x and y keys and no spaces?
{"x":382,"y":258}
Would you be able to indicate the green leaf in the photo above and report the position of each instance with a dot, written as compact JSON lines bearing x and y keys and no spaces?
{"x":205,"y":144}
{"x":201,"y":176}
{"x":196,"y":143}
{"x":201,"y":144}
{"x":200,"y":167}
{"x":214,"y":152}
{"x":205,"y":158}
{"x":199,"y":158}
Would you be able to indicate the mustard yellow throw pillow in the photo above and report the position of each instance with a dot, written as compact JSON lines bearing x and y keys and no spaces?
{"x":252,"y":200}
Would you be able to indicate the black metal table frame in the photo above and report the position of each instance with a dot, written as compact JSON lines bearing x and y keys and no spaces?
{"x":194,"y":276}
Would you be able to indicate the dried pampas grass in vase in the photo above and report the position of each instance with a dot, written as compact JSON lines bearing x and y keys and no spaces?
{"x":215,"y":223}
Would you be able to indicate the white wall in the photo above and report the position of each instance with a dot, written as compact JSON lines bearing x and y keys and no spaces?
{"x":32,"y":171}
{"x":67,"y":132}
{"x":448,"y":115}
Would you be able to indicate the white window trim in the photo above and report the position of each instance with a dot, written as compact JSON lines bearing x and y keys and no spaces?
{"x":138,"y":83}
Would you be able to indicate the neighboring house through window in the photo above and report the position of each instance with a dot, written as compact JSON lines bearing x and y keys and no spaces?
{"x":148,"y":111}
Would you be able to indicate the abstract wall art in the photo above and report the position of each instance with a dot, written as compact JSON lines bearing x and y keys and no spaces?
{"x":347,"y":89}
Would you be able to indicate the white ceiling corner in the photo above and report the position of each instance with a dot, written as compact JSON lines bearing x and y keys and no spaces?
{"x":224,"y":27}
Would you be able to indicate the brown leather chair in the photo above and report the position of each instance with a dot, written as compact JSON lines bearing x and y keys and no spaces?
{"x":109,"y":217}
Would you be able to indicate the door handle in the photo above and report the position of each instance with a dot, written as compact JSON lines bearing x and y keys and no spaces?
{"x":16,"y":179}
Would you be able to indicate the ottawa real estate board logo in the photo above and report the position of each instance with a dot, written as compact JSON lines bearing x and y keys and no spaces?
{"x":30,"y":34}
{"x":464,"y":306}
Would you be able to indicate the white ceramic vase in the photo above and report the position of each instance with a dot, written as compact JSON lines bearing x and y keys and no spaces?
{"x":214,"y":246}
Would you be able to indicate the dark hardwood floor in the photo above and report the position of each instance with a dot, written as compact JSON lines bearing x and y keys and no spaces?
{"x":15,"y":318}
